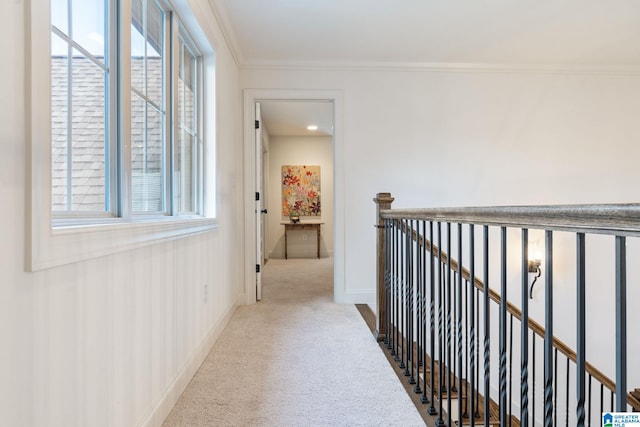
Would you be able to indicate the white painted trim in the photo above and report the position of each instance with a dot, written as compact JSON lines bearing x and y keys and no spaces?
{"x":222,"y":17}
{"x":360,"y":297}
{"x":443,"y":67}
{"x":67,"y":245}
{"x":226,"y":28}
{"x":163,"y":407}
{"x":251,"y":96}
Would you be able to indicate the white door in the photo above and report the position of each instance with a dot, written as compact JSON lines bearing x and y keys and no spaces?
{"x":259,"y":204}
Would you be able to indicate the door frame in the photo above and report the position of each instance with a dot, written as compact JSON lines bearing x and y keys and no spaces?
{"x":259,"y":201}
{"x":250,"y":97}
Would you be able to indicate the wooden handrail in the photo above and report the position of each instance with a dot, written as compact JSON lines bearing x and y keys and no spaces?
{"x":515,"y":311}
{"x":611,"y":219}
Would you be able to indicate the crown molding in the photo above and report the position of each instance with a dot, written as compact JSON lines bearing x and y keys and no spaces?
{"x":224,"y":23}
{"x":617,"y":70}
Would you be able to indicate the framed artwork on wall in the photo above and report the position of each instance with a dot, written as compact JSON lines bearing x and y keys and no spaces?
{"x":300,"y":190}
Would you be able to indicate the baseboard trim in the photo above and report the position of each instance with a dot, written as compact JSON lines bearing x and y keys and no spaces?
{"x":358,"y":297}
{"x":163,"y":407}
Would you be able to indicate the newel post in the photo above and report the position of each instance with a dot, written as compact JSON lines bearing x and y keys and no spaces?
{"x":383,"y":201}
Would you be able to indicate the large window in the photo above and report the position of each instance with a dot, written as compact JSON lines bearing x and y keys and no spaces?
{"x":125,"y":116}
{"x":117,"y":150}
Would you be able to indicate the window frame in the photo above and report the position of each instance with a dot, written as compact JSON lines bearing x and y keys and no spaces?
{"x":182,"y":37}
{"x":111,"y":61}
{"x":53,"y":241}
{"x":165,"y":109}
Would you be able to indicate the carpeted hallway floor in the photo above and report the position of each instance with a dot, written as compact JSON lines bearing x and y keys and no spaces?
{"x":295,"y":359}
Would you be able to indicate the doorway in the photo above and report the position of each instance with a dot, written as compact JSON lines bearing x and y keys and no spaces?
{"x":286,"y":141}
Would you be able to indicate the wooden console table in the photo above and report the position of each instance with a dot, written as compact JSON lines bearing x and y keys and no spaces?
{"x":301,"y":226}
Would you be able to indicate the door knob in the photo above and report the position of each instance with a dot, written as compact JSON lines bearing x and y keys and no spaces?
{"x":264,"y":211}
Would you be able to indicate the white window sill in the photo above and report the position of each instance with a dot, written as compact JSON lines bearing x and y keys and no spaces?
{"x":69,"y":244}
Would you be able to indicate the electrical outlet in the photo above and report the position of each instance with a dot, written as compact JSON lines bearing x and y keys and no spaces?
{"x":304,"y":236}
{"x":206,"y":289}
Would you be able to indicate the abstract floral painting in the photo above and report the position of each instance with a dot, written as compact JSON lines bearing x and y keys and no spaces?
{"x":301,"y":190}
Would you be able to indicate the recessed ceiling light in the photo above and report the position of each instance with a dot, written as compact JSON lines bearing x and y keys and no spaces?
{"x":312,"y":127}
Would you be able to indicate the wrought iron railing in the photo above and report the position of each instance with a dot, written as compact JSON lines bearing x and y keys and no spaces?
{"x":436,"y":316}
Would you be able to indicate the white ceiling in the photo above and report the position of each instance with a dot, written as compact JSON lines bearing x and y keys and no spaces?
{"x":400,"y":32}
{"x":291,"y":118}
{"x":589,"y":34}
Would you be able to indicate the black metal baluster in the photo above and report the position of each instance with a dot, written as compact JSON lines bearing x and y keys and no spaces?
{"x":503,"y":328}
{"x":390,"y":304}
{"x":601,"y":398}
{"x":396,"y":238}
{"x":407,"y":297}
{"x":510,"y":367}
{"x":407,"y":291}
{"x":440,"y":421}
{"x":589,"y":403}
{"x":476,"y":413}
{"x":410,"y":305}
{"x":611,"y":395}
{"x":524,"y":333}
{"x":386,"y":277}
{"x":432,"y":322}
{"x":466,"y":351}
{"x":419,"y":306}
{"x":459,"y":312}
{"x":621,"y":324}
{"x":422,"y":250}
{"x":449,"y":289}
{"x":425,"y":319}
{"x":472,"y":331}
{"x":454,"y":330}
{"x":555,"y":389}
{"x":566,"y":408}
{"x":581,"y":326}
{"x":442,"y":340}
{"x":467,"y":346}
{"x":487,"y":330}
{"x":392,"y":310}
{"x":388,"y":281}
{"x":533,"y":379}
{"x":403,"y":294}
{"x":548,"y":335}
{"x":385,"y":245}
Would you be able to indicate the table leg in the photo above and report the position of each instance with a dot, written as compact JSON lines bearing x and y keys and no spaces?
{"x":285,"y":243}
{"x":318,"y":239}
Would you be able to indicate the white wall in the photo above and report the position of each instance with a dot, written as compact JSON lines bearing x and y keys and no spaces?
{"x":290,"y":150}
{"x":443,"y":138}
{"x":111,"y":341}
{"x":438,"y":137}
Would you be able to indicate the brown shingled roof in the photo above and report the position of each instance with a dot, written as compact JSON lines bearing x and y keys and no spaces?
{"x":88,"y":136}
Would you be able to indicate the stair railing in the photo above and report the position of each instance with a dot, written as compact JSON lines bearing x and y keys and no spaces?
{"x":431,"y":311}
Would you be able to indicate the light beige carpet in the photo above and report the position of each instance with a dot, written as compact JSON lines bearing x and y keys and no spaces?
{"x":295,"y":359}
